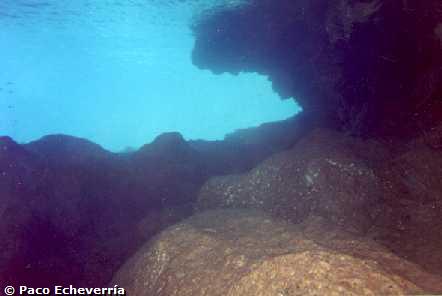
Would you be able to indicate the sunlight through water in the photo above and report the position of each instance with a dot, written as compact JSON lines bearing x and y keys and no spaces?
{"x":119,"y":73}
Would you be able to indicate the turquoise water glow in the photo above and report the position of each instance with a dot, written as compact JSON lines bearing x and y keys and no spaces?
{"x":118,"y":73}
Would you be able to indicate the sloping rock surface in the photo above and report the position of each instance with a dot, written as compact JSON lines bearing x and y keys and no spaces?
{"x":243,"y":252}
{"x":326,"y":173}
{"x":389,"y":192}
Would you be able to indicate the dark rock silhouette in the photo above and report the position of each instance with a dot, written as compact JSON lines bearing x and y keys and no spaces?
{"x":370,"y":66}
{"x":72,"y":212}
{"x":243,"y":149}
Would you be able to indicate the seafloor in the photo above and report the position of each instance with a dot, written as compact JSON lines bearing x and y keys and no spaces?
{"x":320,"y":214}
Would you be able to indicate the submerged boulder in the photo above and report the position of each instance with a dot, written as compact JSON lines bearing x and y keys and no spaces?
{"x":393,"y":195}
{"x":244,"y":252}
{"x":325,"y":173}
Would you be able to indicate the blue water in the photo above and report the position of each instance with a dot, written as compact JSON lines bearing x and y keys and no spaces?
{"x":119,"y":73}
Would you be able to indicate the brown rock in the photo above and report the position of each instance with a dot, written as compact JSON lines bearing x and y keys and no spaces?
{"x":243,"y":252}
{"x":325,"y":173}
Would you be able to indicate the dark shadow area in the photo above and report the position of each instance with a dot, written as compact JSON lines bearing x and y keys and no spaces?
{"x":373,"y":67}
{"x":72,"y":212}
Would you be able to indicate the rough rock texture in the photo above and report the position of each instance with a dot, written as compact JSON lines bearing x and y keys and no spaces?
{"x":373,"y":66}
{"x":243,"y":252}
{"x":72,"y":212}
{"x":325,"y":173}
{"x":411,"y":220}
{"x":393,"y":195}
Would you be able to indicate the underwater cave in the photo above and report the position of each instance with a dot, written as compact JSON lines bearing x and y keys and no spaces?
{"x":247,"y":147}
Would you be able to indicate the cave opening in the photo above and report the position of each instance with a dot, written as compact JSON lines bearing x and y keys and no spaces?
{"x":351,"y":184}
{"x":119,"y":73}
